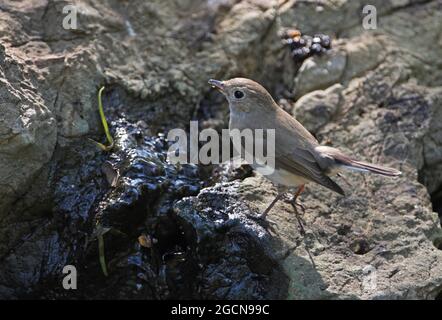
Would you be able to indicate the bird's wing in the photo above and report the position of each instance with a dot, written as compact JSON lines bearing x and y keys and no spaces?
{"x":295,"y":152}
{"x":294,"y":148}
{"x":302,"y":163}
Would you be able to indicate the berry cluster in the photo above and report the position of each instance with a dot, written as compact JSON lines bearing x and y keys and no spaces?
{"x":303,"y":46}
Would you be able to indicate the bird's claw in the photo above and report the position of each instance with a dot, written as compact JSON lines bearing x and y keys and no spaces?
{"x":294,"y":203}
{"x":298,"y":216}
{"x":262,"y":220}
{"x":302,"y":207}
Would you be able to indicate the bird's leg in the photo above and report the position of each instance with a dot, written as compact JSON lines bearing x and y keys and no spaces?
{"x":297,"y":194}
{"x":267,"y":210}
{"x":293,"y":203}
{"x":299,"y":191}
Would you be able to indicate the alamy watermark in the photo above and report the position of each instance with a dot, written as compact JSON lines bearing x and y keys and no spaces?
{"x":70,"y":280}
{"x":370,"y":20}
{"x":70,"y":20}
{"x":256,"y":147}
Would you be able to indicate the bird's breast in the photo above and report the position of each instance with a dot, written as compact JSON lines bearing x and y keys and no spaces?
{"x":285,"y":178}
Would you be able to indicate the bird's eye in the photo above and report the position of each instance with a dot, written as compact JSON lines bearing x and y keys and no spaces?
{"x":238,"y":94}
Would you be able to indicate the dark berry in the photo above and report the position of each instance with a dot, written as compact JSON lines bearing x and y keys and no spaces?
{"x":295,"y":43}
{"x":306,"y":51}
{"x":298,"y":42}
{"x":325,"y":41}
{"x":316,"y":48}
{"x":302,"y":42}
{"x":316,"y":39}
{"x":298,"y":54}
{"x":288,"y":41}
{"x":301,"y":54}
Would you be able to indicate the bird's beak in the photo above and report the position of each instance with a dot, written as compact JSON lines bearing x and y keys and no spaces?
{"x":217,"y":84}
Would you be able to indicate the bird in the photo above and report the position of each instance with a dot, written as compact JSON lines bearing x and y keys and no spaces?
{"x":299,"y":158}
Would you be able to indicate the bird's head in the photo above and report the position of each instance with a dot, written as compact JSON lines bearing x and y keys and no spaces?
{"x":244,"y":95}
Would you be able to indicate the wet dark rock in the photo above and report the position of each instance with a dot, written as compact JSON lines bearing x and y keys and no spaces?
{"x":140,"y":202}
{"x":58,"y":238}
{"x":229,"y":171}
{"x":236,"y":253}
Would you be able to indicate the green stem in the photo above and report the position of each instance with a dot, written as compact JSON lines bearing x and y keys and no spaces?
{"x":105,"y":126}
{"x":103,"y":118}
{"x":101,"y":254}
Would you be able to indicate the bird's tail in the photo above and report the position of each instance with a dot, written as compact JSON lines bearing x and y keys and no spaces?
{"x":369,"y":167}
{"x":349,"y":163}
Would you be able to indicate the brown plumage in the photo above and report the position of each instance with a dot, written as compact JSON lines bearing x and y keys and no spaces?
{"x":298,"y":156}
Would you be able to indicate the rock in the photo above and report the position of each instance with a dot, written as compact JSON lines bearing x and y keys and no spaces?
{"x":364,"y":53}
{"x":219,"y":225}
{"x":363,"y":256}
{"x":382,"y":241}
{"x":381,"y":91}
{"x":339,"y":17}
{"x":317,"y":108}
{"x":351,"y":59}
{"x":320,"y":72}
{"x":28,"y":130}
{"x":430,"y":173}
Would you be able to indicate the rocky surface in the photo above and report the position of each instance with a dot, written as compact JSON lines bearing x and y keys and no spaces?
{"x":376,"y":94}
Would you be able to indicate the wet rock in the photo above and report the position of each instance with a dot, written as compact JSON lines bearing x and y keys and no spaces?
{"x":236,"y":254}
{"x":139,"y":204}
{"x":54,"y":231}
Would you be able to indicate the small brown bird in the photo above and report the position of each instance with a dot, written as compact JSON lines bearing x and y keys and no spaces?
{"x":299,"y":158}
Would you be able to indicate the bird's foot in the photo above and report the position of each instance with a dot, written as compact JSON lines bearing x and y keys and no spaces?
{"x":263,"y":216}
{"x":297,"y":203}
{"x":294,"y":202}
{"x":298,"y":216}
{"x":260,"y":216}
{"x":262,"y":220}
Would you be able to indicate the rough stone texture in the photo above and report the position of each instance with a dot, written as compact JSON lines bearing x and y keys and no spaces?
{"x":349,"y":59}
{"x":377,"y":94}
{"x":317,"y":108}
{"x":387,"y":111}
{"x":320,"y":72}
{"x":27,"y":130}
